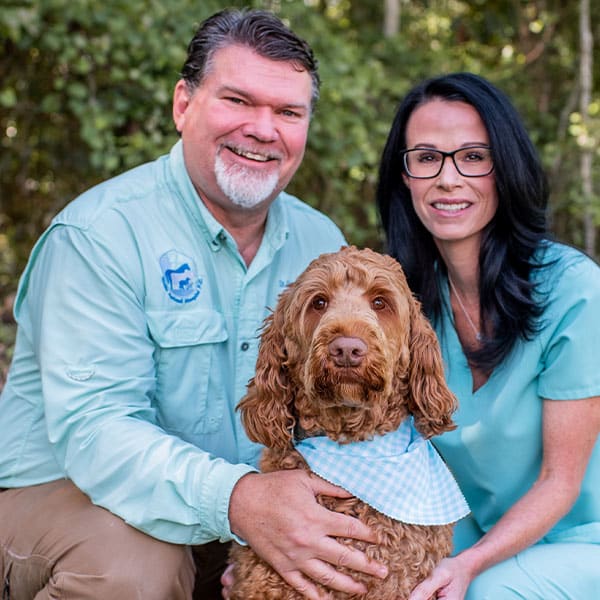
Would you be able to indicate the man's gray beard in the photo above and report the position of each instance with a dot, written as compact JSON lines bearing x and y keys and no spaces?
{"x":244,"y":186}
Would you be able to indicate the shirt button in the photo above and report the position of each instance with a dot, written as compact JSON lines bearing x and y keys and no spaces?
{"x":245,"y":346}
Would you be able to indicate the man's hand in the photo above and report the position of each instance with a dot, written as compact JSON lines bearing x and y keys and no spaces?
{"x":278,"y":515}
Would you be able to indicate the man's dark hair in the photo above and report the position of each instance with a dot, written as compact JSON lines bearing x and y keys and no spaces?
{"x":507,"y":293}
{"x":259,"y":30}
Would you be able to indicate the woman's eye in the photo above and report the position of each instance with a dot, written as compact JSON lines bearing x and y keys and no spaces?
{"x":319,"y":303}
{"x":428,"y":157}
{"x":473,"y":157}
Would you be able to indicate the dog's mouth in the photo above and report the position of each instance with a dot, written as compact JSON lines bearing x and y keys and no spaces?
{"x":337,"y":404}
{"x":347,"y":375}
{"x":350,"y":403}
{"x":344,"y":394}
{"x":352,"y":384}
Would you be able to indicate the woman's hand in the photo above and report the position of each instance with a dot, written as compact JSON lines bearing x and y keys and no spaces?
{"x":449,"y":581}
{"x":278,"y":515}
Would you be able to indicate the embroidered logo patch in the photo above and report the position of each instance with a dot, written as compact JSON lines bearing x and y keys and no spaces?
{"x":179,"y":279}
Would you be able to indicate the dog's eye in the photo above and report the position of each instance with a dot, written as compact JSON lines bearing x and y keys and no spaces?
{"x":378,"y":303}
{"x":319,"y":303}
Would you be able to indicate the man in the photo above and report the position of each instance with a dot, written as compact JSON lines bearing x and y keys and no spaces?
{"x":138,"y":314}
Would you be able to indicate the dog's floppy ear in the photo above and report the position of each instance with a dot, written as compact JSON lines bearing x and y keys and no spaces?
{"x":266,"y":408}
{"x":430,"y":400}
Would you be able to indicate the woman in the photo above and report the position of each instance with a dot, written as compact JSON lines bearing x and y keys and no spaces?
{"x":462,"y":199}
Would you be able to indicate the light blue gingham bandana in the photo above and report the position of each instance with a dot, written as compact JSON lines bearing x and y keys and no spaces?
{"x":399,"y":474}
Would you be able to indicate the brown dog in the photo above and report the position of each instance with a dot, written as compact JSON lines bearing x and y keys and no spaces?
{"x":347,"y":354}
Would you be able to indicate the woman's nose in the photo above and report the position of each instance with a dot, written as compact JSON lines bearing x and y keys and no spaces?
{"x":449,"y":174}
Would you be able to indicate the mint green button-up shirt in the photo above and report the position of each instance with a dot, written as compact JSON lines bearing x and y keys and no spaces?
{"x":138,"y":326}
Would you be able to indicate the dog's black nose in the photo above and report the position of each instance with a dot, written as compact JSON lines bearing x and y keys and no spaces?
{"x":347,"y":351}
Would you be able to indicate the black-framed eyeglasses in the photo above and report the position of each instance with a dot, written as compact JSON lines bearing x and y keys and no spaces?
{"x":471,"y":161}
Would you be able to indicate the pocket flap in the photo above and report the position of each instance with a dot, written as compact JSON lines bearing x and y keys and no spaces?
{"x":170,"y":329}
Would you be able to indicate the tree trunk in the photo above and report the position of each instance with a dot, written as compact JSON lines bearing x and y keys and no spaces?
{"x":586,"y":71}
{"x":391,"y":20}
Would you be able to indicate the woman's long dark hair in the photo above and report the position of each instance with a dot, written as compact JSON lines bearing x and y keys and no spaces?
{"x":507,"y":293}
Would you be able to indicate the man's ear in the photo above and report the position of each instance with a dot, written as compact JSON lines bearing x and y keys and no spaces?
{"x":181,"y":100}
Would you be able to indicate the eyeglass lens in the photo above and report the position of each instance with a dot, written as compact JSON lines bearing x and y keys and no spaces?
{"x":475,"y":161}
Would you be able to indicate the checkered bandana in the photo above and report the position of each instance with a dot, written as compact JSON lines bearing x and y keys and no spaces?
{"x":400,"y":474}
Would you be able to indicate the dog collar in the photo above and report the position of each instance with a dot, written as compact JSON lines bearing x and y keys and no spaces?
{"x":399,"y":474}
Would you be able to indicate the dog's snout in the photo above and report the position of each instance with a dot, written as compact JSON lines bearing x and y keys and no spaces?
{"x":347,"y":351}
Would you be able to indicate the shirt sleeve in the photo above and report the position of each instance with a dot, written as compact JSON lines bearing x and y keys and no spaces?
{"x":571,"y":334}
{"x":89,"y":332}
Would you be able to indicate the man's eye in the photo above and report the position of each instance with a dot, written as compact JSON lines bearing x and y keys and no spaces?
{"x":319,"y":303}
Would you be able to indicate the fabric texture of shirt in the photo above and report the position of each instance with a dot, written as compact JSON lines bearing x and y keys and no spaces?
{"x":496,"y":451}
{"x":138,"y":326}
{"x":399,"y":474}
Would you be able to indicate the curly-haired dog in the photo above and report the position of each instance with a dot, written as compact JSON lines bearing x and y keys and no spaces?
{"x":347,"y":360}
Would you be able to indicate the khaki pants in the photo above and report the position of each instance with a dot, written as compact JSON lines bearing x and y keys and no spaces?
{"x":54,"y":543}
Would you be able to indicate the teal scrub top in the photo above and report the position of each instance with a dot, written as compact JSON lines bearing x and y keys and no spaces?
{"x":496,"y":451}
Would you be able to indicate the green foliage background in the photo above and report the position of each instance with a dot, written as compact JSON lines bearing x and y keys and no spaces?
{"x":85,"y":93}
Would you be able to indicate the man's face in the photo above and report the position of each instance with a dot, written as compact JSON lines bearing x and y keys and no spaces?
{"x":244,"y":128}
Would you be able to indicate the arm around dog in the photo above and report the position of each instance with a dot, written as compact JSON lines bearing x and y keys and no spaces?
{"x":277,"y":514}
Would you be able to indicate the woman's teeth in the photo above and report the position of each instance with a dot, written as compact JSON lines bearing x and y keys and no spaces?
{"x":455,"y":206}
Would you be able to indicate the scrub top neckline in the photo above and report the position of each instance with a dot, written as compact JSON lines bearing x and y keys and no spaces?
{"x":455,"y":344}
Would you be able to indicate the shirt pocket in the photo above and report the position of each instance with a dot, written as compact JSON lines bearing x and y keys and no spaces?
{"x":191,"y":372}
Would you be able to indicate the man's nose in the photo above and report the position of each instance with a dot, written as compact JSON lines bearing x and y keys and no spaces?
{"x":261,"y":125}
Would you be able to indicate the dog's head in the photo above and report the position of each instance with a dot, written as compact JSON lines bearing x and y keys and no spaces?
{"x":346,"y":353}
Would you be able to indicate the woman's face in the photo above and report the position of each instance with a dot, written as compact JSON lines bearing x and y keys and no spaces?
{"x":452,"y":207}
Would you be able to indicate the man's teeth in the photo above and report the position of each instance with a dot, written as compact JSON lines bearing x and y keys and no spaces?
{"x":450,"y":206}
{"x":252,"y":155}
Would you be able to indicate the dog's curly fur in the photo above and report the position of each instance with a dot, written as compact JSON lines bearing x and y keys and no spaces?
{"x":314,"y":377}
